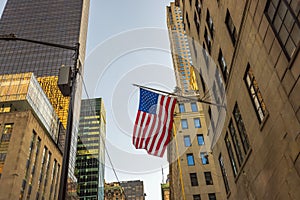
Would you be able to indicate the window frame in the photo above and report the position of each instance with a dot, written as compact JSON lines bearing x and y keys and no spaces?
{"x":196,"y":120}
{"x":283,"y":26}
{"x":224,"y":174}
{"x":189,"y":140}
{"x":200,"y":136}
{"x":204,"y":155}
{"x":194,"y":179}
{"x":190,"y":159}
{"x":194,"y":107}
{"x":187,"y":125}
{"x":255,"y":95}
{"x":231,"y":27}
{"x":208,"y":178}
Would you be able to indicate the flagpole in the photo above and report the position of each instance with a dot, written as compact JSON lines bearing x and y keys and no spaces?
{"x":176,"y":95}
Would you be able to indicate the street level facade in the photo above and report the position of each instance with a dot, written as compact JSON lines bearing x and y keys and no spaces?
{"x":59,"y":22}
{"x":193,"y":174}
{"x":255,"y":47}
{"x":90,"y":158}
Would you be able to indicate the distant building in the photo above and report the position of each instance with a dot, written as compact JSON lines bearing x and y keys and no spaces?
{"x":91,"y":149}
{"x":131,"y":190}
{"x":30,"y":159}
{"x":193,"y":173}
{"x":113,"y":191}
{"x":255,"y":47}
{"x":165,"y":191}
{"x":134,"y":190}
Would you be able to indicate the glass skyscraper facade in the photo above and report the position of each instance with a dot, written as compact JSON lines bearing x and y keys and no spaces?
{"x":91,"y":149}
{"x":60,"y":22}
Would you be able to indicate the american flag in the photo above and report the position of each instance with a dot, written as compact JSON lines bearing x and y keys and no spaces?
{"x":153,"y":124}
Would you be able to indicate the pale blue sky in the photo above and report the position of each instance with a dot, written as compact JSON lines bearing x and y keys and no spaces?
{"x":127,"y":43}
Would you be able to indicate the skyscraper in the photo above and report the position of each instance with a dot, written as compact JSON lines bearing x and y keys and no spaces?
{"x":255,"y":46}
{"x":91,"y":149}
{"x":193,"y":174}
{"x":60,"y":22}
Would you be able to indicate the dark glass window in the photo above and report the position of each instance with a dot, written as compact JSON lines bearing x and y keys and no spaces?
{"x":204,"y":158}
{"x":208,"y":178}
{"x":200,"y":139}
{"x":187,"y":141}
{"x":197,"y":22}
{"x":284,"y":18}
{"x":231,"y":156}
{"x":236,"y":143}
{"x":210,"y":23}
{"x":196,"y":197}
{"x":197,"y":123}
{"x":224,"y":174}
{"x":184,"y":124}
{"x":241,"y":127}
{"x":181,"y":108}
{"x":223,"y":65}
{"x":194,"y":107}
{"x":256,"y":96}
{"x":207,"y":40}
{"x":212,"y":196}
{"x":194,"y":179}
{"x":190,"y":159}
{"x":231,"y":27}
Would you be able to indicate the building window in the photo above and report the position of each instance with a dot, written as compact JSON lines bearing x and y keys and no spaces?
{"x":197,"y":22}
{"x":194,"y":180}
{"x":196,"y":197}
{"x":204,"y":158}
{"x":184,"y":124}
{"x":194,"y":107}
{"x":230,"y":27}
{"x":282,"y":16}
{"x":207,"y":40}
{"x":190,"y":159}
{"x":231,"y":156}
{"x":210,"y":23}
{"x":187,"y":141}
{"x":223,"y":65}
{"x":224,"y":174}
{"x":181,"y":108}
{"x":236,"y":143}
{"x":187,"y":20}
{"x":197,"y":123}
{"x":208,"y":178}
{"x":254,"y":92}
{"x":7,"y":131}
{"x":212,"y":196}
{"x":211,"y":119}
{"x":200,"y":139}
{"x":241,"y":127}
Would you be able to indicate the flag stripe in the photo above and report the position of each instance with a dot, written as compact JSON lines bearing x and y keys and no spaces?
{"x":140,"y":128}
{"x":145,"y":129}
{"x":161,"y":119}
{"x":164,"y":146}
{"x":163,"y":138}
{"x":164,"y":125}
{"x":136,"y":127}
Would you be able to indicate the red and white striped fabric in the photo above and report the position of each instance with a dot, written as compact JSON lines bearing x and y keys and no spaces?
{"x":154,"y":122}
